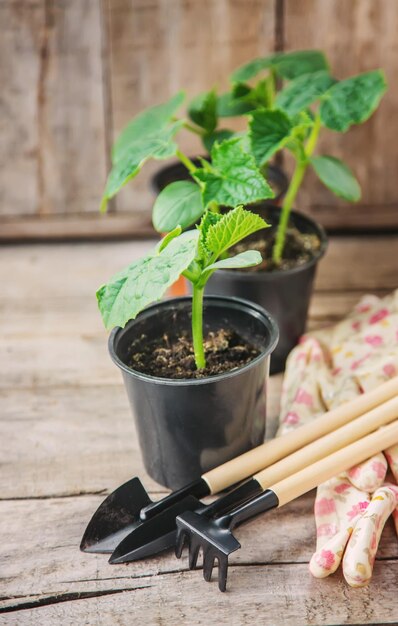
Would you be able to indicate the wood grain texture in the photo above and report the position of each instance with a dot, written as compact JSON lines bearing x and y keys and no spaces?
{"x":162,"y":46}
{"x":265,"y":577}
{"x":51,"y":107}
{"x":357,"y":36}
{"x":67,"y":438}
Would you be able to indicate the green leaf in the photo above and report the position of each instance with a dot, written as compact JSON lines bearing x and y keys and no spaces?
{"x":269,"y":131}
{"x":203,"y":110}
{"x":252,"y":68}
{"x":145,"y":281}
{"x":352,"y":101}
{"x":232,"y":228}
{"x":164,"y":242}
{"x":147,"y":123}
{"x":257,"y":96}
{"x":229,"y":106}
{"x":337,"y":176}
{"x":218,"y":135}
{"x":286,"y":64}
{"x":303,"y":91}
{"x":249,"y":258}
{"x":232,"y":177}
{"x":208,"y":219}
{"x":291,"y":65}
{"x":159,"y":146}
{"x":180,"y":203}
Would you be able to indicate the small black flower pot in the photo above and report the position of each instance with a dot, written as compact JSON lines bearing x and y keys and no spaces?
{"x":286,"y":294}
{"x":187,"y":427}
{"x":177,"y":171}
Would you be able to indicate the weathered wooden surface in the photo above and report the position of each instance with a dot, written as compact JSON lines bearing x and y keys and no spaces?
{"x":67,"y":438}
{"x":52,"y":156}
{"x":75,"y":72}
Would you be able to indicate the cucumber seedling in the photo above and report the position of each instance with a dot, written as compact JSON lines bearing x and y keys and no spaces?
{"x":196,"y":254}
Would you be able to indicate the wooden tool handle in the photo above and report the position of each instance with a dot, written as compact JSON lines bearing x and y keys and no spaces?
{"x":319,"y":449}
{"x":268,"y":453}
{"x":332,"y":465}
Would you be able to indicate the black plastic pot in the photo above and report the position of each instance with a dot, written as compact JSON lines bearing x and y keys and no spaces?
{"x":285,"y":294}
{"x":187,"y":427}
{"x":177,"y":171}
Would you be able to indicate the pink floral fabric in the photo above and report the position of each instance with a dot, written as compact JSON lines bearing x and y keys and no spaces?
{"x":327,"y":368}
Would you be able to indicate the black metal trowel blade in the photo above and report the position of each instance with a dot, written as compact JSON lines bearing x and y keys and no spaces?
{"x":116,"y":517}
{"x":155,"y":534}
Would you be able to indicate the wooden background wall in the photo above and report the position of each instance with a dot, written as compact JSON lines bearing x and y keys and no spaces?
{"x":72,"y":73}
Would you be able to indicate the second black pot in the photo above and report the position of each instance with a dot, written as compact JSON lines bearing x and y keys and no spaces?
{"x":286,"y":294}
{"x":187,"y":427}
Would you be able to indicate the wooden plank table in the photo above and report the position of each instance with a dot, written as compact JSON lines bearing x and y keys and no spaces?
{"x":67,"y":439}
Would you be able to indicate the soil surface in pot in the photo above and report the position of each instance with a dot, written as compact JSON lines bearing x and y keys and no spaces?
{"x":167,"y":357}
{"x":300,"y":248}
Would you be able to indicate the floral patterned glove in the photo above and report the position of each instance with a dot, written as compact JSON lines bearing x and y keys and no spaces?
{"x":330,"y":367}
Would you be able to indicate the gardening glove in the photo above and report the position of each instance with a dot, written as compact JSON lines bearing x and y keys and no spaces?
{"x":327,"y":368}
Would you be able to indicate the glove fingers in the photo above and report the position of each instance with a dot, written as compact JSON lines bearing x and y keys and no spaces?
{"x":326,"y":560}
{"x":370,"y":475}
{"x":361,"y":550}
{"x":338,"y":506}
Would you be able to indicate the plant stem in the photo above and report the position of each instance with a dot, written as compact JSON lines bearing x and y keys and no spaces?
{"x":290,"y":197}
{"x":197,"y":327}
{"x":186,"y":161}
{"x":193,"y":129}
{"x":294,"y":186}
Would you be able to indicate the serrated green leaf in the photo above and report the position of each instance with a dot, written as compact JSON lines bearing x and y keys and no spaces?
{"x":229,"y":106}
{"x":218,"y":135}
{"x":269,"y":131}
{"x":249,"y":258}
{"x":203,"y":110}
{"x":209,"y":219}
{"x":164,"y":242}
{"x":232,"y":228}
{"x":232,"y":176}
{"x":352,"y":101}
{"x":303,"y":91}
{"x":180,"y":203}
{"x":145,"y":281}
{"x":147,"y":124}
{"x":159,"y":146}
{"x":337,"y":176}
{"x":291,"y":65}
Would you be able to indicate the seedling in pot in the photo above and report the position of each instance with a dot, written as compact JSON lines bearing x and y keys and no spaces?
{"x":196,"y":254}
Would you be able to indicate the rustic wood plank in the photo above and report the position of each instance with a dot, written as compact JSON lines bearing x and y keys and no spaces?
{"x":160,"y":47}
{"x":356,"y":36}
{"x":19,"y":70}
{"x":89,"y":226}
{"x":53,"y":157}
{"x":47,"y":571}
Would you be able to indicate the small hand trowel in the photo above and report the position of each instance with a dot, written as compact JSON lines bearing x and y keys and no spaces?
{"x":128,"y":506}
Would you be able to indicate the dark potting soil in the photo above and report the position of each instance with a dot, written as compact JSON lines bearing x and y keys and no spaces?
{"x":174,"y":358}
{"x":300,"y":248}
